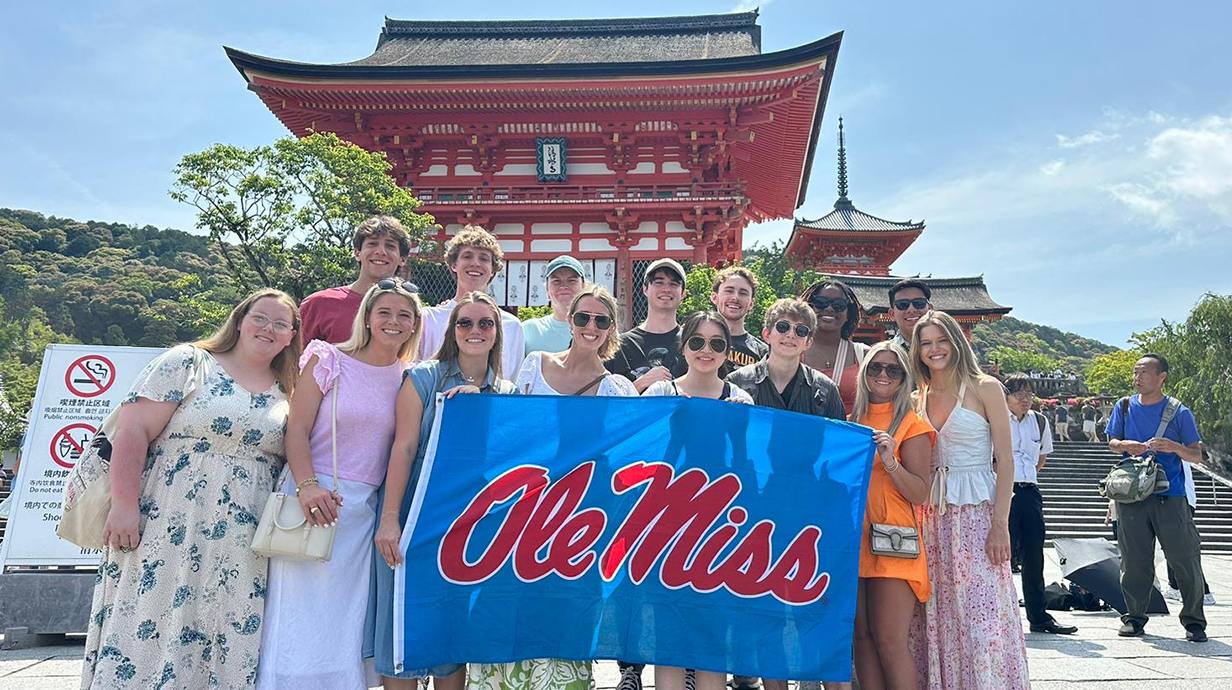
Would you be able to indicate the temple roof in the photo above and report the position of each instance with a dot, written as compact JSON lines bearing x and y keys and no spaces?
{"x":567,"y":41}
{"x":954,"y":296}
{"x":847,"y":218}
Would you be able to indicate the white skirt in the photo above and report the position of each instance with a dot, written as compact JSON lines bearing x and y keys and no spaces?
{"x":312,"y":636}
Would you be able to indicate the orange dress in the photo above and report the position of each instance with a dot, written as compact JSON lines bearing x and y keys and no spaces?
{"x":886,"y":506}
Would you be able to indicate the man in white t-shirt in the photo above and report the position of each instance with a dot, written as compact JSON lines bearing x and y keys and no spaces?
{"x":473,"y":257}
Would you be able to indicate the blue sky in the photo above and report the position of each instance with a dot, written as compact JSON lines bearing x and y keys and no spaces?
{"x":1077,"y":154}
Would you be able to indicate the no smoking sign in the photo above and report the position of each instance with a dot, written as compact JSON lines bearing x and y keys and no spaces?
{"x":90,"y":376}
{"x":69,"y":442}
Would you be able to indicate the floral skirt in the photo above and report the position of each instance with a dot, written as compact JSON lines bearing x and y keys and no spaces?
{"x":970,"y":635}
{"x":535,"y":674}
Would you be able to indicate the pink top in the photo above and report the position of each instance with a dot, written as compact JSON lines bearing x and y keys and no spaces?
{"x":365,"y":413}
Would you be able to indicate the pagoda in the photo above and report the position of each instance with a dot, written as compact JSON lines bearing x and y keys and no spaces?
{"x":859,"y":248}
{"x":618,"y":141}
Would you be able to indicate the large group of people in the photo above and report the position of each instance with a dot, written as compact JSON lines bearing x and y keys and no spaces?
{"x":341,"y":389}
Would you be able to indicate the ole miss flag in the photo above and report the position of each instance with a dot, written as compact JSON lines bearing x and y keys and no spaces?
{"x":666,"y":530}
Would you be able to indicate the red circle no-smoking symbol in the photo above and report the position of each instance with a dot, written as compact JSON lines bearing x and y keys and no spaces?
{"x":90,"y":376}
{"x":69,"y":443}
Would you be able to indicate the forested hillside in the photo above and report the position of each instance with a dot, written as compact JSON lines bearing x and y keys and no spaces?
{"x":1070,"y":351}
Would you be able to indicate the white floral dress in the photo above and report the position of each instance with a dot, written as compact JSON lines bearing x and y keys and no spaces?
{"x":183,"y":609}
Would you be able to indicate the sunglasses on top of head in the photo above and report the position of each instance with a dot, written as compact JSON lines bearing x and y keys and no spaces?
{"x":391,"y":284}
{"x":893,"y":371}
{"x":824,"y":303}
{"x":582,"y":319}
{"x":485,"y":324}
{"x":783,"y":326}
{"x":717,"y":345}
{"x":918,"y":303}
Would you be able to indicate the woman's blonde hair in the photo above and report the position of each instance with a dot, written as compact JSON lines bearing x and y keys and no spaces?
{"x":361,"y":335}
{"x":962,"y":357}
{"x":286,"y":363}
{"x":612,"y":344}
{"x":449,"y":348}
{"x":902,"y":397}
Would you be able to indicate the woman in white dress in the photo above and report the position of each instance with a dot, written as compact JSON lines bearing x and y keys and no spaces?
{"x":314,"y":615}
{"x":704,"y":340}
{"x":972,"y":635}
{"x":576,"y":371}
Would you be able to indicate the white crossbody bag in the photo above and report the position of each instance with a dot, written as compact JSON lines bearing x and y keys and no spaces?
{"x":284,"y":532}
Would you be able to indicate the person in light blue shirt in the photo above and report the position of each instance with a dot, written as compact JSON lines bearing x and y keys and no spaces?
{"x":551,"y":333}
{"x":1132,"y":431}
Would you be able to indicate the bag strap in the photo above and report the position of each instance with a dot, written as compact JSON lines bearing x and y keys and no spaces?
{"x":1040,"y":422}
{"x":1166,"y":418}
{"x":727,"y":391}
{"x":590,"y":385}
{"x":840,"y":358}
{"x":333,"y":428}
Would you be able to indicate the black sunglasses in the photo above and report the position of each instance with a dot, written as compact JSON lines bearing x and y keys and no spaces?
{"x":801,"y":330}
{"x":485,"y":324}
{"x":823,"y":303}
{"x":391,"y":284}
{"x":696,"y":343}
{"x":918,"y":303}
{"x":894,"y":371}
{"x":582,"y":319}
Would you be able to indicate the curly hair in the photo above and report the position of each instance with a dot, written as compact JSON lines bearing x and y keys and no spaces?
{"x":382,"y":226}
{"x":477,"y":237}
{"x":853,"y":304}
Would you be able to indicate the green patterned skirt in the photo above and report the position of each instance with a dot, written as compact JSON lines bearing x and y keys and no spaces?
{"x":534,"y":674}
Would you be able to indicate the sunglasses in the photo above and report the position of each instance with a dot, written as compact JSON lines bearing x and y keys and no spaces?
{"x":485,"y":324}
{"x":717,"y":345}
{"x":834,"y":304}
{"x":582,"y":319}
{"x":391,"y":284}
{"x":802,"y":331}
{"x":893,"y":371}
{"x":918,"y":303}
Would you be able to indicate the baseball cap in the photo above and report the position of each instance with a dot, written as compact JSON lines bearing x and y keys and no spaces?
{"x":565,"y":261}
{"x":670,"y":264}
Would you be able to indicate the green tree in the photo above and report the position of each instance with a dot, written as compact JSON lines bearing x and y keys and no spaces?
{"x":1012,"y":360}
{"x":1113,"y":373}
{"x":282,"y":215}
{"x":775,"y":278}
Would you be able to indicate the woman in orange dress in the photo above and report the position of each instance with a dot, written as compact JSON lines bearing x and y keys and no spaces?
{"x":890,"y":585}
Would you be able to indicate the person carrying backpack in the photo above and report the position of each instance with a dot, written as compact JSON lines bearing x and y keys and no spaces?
{"x":1151,"y":422}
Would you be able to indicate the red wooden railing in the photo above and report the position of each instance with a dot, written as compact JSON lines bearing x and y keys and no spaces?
{"x":566,"y":192}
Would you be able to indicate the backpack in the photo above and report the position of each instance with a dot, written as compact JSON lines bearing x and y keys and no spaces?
{"x":1136,"y":478}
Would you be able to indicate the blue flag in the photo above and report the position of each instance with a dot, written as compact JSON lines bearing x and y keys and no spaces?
{"x":666,"y":530}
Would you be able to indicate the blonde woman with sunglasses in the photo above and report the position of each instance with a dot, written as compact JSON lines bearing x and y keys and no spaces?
{"x":314,"y":614}
{"x":890,"y":586}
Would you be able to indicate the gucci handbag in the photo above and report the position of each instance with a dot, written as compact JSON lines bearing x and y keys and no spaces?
{"x":284,"y":532}
{"x":895,"y":541}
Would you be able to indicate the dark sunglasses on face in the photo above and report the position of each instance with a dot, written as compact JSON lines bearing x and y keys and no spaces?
{"x":717,"y":345}
{"x":802,"y":331}
{"x":823,"y":303}
{"x":918,"y":303}
{"x":893,"y":371}
{"x":485,"y":324}
{"x":391,"y":284}
{"x":582,"y":319}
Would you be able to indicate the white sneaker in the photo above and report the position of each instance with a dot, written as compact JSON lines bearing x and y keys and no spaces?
{"x":1208,"y":599}
{"x":1172,"y":594}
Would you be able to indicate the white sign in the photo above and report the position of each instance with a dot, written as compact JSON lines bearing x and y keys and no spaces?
{"x":78,"y":386}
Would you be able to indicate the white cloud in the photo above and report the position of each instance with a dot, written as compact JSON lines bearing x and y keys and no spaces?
{"x":750,"y":5}
{"x":1051,"y":168}
{"x":1093,"y":137}
{"x":1141,"y":200}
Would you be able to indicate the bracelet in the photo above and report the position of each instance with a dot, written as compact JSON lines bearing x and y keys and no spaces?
{"x":307,"y":482}
{"x":894,"y":469}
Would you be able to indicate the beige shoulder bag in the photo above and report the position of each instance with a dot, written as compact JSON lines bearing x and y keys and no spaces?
{"x":284,"y":532}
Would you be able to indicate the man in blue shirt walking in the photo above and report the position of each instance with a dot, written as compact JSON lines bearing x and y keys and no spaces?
{"x":1165,"y":515}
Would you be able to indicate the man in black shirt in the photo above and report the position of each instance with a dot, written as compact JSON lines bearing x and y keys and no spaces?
{"x":732,"y":295}
{"x":650,"y":352}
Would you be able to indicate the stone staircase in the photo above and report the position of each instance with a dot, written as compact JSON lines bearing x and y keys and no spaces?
{"x":1073,"y":507}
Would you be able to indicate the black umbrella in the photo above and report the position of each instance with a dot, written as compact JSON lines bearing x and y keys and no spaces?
{"x":1095,"y":565}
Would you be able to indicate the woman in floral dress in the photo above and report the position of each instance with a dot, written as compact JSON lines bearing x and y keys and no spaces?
{"x":179,"y":596}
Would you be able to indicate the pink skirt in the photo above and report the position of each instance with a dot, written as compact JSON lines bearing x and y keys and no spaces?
{"x":969,"y":636}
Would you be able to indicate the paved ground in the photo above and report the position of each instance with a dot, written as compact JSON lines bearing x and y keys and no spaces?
{"x":1094,"y":659}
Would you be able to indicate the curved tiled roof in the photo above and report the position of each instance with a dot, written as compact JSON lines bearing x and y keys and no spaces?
{"x":567,"y":41}
{"x":956,"y":296}
{"x":847,"y":218}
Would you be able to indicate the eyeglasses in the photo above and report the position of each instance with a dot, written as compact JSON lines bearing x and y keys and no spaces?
{"x":1023,"y":395}
{"x":391,"y":284}
{"x":834,"y":304}
{"x":261,"y":321}
{"x":918,"y":303}
{"x":467,"y":323}
{"x":582,"y":319}
{"x":802,"y":331}
{"x":893,"y":371}
{"x":717,"y":345}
